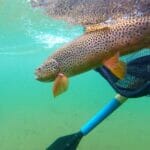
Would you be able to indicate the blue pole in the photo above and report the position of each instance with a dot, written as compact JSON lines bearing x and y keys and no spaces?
{"x":102,"y":114}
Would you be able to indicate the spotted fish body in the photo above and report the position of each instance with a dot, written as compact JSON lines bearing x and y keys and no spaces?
{"x":102,"y":44}
{"x":92,"y":49}
{"x":85,"y":12}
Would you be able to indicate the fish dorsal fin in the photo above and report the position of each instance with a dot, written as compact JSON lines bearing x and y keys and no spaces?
{"x":97,"y":27}
{"x":117,"y":67}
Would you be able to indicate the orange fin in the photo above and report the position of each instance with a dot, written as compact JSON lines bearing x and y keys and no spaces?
{"x":96,"y":27}
{"x":60,"y":84}
{"x":117,"y":67}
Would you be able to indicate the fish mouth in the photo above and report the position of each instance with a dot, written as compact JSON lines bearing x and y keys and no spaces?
{"x":37,"y":76}
{"x":41,"y":77}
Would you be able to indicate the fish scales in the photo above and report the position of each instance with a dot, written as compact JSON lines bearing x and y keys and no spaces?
{"x":85,"y":12}
{"x":90,"y":50}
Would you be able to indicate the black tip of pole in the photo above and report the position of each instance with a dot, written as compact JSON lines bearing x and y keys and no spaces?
{"x":68,"y":142}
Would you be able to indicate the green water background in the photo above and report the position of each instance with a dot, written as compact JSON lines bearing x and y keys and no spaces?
{"x":30,"y":118}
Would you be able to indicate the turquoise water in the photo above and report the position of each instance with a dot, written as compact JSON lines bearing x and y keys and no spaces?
{"x":30,"y":118}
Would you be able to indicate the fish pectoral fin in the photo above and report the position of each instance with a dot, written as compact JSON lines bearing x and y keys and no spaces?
{"x":60,"y":84}
{"x":96,"y":27}
{"x":117,"y":67}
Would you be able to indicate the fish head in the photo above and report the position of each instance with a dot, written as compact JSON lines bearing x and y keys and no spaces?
{"x":48,"y":71}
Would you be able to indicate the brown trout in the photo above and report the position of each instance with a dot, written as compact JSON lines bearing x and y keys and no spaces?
{"x":85,"y":12}
{"x":102,"y":44}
